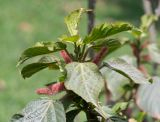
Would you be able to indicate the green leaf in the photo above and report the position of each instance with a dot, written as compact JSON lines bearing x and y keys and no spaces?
{"x":71,"y":39}
{"x":120,"y":106}
{"x":44,"y":62}
{"x":106,"y":30}
{"x":73,"y":19}
{"x":41,"y":49}
{"x":16,"y":117}
{"x":148,"y":98}
{"x":117,"y":119}
{"x":115,"y":81}
{"x":85,"y":80}
{"x":111,"y":44}
{"x":70,"y":115}
{"x":127,"y":70}
{"x":42,"y":110}
{"x":154,"y":53}
{"x":147,"y":20}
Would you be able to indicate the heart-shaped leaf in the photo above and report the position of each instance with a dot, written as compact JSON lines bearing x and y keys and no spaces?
{"x":148,"y":98}
{"x":85,"y":80}
{"x":127,"y":70}
{"x":42,"y":110}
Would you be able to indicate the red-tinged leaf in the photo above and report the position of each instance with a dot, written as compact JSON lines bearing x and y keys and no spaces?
{"x":65,"y":56}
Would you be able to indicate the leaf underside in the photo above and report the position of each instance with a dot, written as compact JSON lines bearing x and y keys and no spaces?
{"x":42,"y":110}
{"x":127,"y":70}
{"x":148,"y":98}
{"x":86,"y":81}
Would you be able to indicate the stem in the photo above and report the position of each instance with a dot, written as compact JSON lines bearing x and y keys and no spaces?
{"x":83,"y":51}
{"x":91,"y":117}
{"x":152,"y":30}
{"x":85,"y":54}
{"x":91,"y":21}
{"x":91,"y":15}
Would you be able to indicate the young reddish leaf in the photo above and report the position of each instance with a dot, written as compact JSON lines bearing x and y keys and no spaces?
{"x":65,"y":56}
{"x":100,"y":55}
{"x":51,"y":89}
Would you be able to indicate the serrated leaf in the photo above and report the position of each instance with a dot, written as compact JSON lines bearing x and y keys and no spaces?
{"x":148,"y":98}
{"x":71,"y":39}
{"x":44,"y":62}
{"x":85,"y":80}
{"x":127,"y":70}
{"x":42,"y":110}
{"x":73,"y":19}
{"x":106,"y":30}
{"x":147,"y":20}
{"x":41,"y":49}
{"x":111,"y":44}
{"x":154,"y":53}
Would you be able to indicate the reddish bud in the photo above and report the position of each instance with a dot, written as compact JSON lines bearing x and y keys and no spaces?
{"x":99,"y":55}
{"x":51,"y":89}
{"x":65,"y":56}
{"x":45,"y":91}
{"x":55,"y":88}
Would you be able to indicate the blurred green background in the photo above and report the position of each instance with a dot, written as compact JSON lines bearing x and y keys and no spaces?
{"x":24,"y":22}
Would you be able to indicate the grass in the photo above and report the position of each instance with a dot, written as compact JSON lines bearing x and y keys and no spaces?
{"x":24,"y":22}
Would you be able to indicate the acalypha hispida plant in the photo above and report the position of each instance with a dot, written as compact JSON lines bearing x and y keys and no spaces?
{"x":87,"y":85}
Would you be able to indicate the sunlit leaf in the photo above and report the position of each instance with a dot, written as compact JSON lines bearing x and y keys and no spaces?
{"x":127,"y":70}
{"x":73,"y":19}
{"x":71,"y":39}
{"x":42,"y":110}
{"x":147,"y":20}
{"x":106,"y":30}
{"x":148,"y":98}
{"x":44,"y":62}
{"x":85,"y":80}
{"x":41,"y":49}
